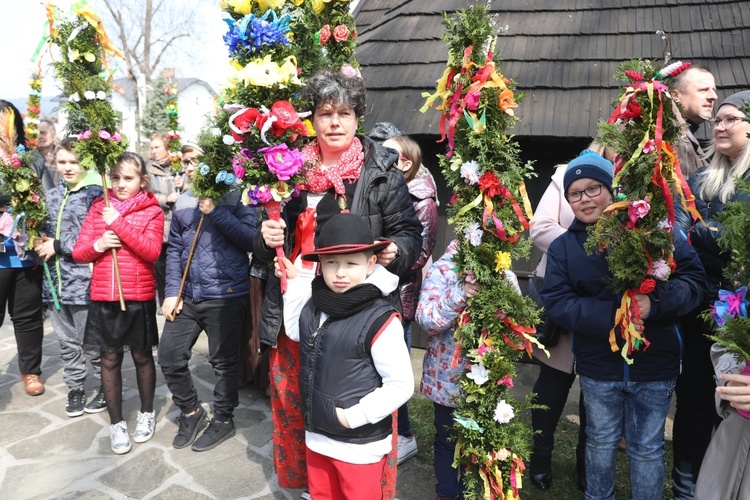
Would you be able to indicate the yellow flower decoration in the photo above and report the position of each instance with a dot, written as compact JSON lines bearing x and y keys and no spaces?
{"x":240,"y":6}
{"x":502,"y":261}
{"x":265,"y":73}
{"x":73,"y":55}
{"x":89,"y":57}
{"x":281,"y":190}
{"x":308,"y":125}
{"x":264,"y":5}
{"x":297,"y":3}
{"x":318,"y":6}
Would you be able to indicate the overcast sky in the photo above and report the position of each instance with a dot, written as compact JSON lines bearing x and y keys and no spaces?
{"x":23,"y":23}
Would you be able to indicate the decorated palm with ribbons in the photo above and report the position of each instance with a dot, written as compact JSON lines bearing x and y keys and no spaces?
{"x":254,"y":140}
{"x":489,"y":211}
{"x":82,"y":67}
{"x":637,"y":230}
{"x":172,"y":111}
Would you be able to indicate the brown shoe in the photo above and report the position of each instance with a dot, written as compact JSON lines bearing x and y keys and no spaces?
{"x":33,"y":384}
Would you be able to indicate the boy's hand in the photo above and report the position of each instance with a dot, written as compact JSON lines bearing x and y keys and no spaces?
{"x":206,"y":205}
{"x":45,"y":247}
{"x":273,"y":232}
{"x":387,"y":255}
{"x":342,"y":418}
{"x":109,"y":240}
{"x":171,"y":308}
{"x":291,"y":271}
{"x":644,"y":304}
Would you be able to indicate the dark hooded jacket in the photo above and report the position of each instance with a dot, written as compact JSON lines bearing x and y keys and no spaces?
{"x":381,"y":197}
{"x":575,"y":296}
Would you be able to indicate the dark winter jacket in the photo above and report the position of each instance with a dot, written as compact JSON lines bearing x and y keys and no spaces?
{"x":139,"y":230}
{"x":381,"y":197}
{"x":704,"y":236}
{"x":423,"y":194}
{"x":576,"y":296}
{"x":161,"y":183}
{"x":337,"y":370}
{"x":220,"y":265}
{"x":67,"y":210}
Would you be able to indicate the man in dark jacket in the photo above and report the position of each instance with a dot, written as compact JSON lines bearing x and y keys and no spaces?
{"x":214,"y":300}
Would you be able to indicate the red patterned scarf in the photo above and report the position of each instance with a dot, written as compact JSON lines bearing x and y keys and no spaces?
{"x":348,"y":167}
{"x":124,"y":206}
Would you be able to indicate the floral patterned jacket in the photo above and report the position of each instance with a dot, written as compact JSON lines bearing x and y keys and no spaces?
{"x":441,"y":300}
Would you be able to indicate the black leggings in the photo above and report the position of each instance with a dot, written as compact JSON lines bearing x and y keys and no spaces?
{"x":145,"y":373}
{"x":552,"y":388}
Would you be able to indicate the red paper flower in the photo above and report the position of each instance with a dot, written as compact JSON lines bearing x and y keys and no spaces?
{"x":286,"y":119}
{"x":647,"y":286}
{"x":632,"y":110}
{"x":490,"y":184}
{"x":634,"y":75}
{"x":325,"y":34}
{"x":250,"y":117}
{"x":341,"y":33}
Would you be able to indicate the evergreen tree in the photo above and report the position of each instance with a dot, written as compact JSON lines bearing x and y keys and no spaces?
{"x":155,"y":118}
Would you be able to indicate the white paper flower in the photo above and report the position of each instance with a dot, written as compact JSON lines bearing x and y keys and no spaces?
{"x":101,"y":95}
{"x":216,"y":131}
{"x":470,"y":172}
{"x":479,"y":374}
{"x":75,"y":97}
{"x":503,"y":412}
{"x":473,"y":233}
{"x":89,"y":94}
{"x":228,"y":140}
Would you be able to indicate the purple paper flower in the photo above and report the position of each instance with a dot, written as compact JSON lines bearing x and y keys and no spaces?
{"x":116,"y":137}
{"x":660,"y":270}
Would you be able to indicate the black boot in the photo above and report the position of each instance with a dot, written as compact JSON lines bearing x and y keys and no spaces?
{"x":581,"y":472}
{"x":540,"y":471}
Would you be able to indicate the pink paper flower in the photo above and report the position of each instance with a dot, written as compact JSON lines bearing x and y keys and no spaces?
{"x":660,"y":270}
{"x":638,"y":210}
{"x":282,"y":161}
{"x":116,"y":137}
{"x":15,"y":161}
{"x":104,"y":135}
{"x":472,"y":100}
{"x":650,"y":147}
{"x":84,"y":135}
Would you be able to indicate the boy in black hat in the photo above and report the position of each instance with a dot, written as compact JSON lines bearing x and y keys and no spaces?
{"x":355,"y":368}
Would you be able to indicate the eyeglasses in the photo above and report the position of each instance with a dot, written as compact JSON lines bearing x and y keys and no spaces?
{"x":727,"y":122}
{"x":592,"y":191}
{"x":188,"y":163}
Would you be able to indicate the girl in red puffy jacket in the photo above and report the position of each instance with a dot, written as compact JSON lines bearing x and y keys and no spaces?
{"x":133,"y":225}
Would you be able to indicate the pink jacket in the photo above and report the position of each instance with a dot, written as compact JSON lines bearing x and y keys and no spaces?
{"x":140,"y":230}
{"x":552,"y":218}
{"x":423,"y":194}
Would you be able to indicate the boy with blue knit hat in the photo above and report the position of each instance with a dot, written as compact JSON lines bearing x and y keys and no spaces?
{"x":621,"y":399}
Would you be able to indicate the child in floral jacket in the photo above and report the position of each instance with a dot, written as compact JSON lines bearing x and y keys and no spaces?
{"x":443,"y":298}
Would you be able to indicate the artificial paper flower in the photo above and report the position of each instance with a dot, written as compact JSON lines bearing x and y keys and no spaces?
{"x":325,"y":34}
{"x":264,"y":5}
{"x":73,"y":55}
{"x":470,"y":172}
{"x":341,"y":33}
{"x":503,"y":412}
{"x":479,"y":374}
{"x":650,"y":147}
{"x":502,"y":261}
{"x":660,"y":270}
{"x":638,"y":210}
{"x":473,"y":233}
{"x":89,"y":57}
{"x":506,"y":102}
{"x":282,"y":161}
{"x":240,"y":6}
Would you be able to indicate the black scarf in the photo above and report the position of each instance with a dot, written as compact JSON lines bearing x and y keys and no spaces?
{"x":342,"y":305}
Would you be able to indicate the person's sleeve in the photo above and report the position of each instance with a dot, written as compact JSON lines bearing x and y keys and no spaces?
{"x":393,"y":364}
{"x":84,"y":251}
{"x":588,"y":316}
{"x":146,"y":242}
{"x":546,"y":227}
{"x":296,"y":296}
{"x":685,"y":288}
{"x":441,"y":299}
{"x":237,"y":225}
{"x":400,"y":224}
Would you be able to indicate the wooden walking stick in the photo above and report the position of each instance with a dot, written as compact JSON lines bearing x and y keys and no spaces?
{"x":114,"y":250}
{"x":187,"y":266}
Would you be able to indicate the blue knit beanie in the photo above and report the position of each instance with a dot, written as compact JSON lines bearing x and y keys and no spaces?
{"x":588,"y":165}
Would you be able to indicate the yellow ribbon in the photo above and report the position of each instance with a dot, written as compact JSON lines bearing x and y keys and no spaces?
{"x":526,"y":202}
{"x":466,"y":208}
{"x":93,"y":19}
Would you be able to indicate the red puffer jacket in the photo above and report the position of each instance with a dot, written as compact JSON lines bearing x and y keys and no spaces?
{"x":140,"y":231}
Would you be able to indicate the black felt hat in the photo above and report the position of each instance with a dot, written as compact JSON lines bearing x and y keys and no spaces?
{"x":345,"y":233}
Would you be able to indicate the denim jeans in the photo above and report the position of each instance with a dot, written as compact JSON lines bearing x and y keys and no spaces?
{"x":448,"y":478}
{"x":222,"y":320}
{"x":640,"y":410}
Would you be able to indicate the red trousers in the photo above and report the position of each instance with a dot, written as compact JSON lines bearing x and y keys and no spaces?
{"x":333,"y":479}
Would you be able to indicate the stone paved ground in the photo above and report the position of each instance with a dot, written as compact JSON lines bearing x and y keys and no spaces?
{"x":46,"y":454}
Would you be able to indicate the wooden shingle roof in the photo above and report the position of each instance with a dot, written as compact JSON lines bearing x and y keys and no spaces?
{"x":563,"y":54}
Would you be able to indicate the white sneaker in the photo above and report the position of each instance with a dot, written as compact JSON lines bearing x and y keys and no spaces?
{"x":118,"y":435}
{"x":407,"y":448}
{"x":144,"y":427}
{"x":305,"y":496}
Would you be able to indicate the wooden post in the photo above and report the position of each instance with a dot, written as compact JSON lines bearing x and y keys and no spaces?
{"x":187,"y":266}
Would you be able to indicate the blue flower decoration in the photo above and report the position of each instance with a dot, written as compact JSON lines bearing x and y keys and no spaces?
{"x":229,"y":179}
{"x":221,"y":176}
{"x":203,"y":168}
{"x":20,"y":149}
{"x":254,"y":33}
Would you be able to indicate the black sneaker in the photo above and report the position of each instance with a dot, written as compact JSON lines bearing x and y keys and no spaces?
{"x":98,"y":404}
{"x":190,"y":426}
{"x":216,"y":433}
{"x":74,"y":408}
